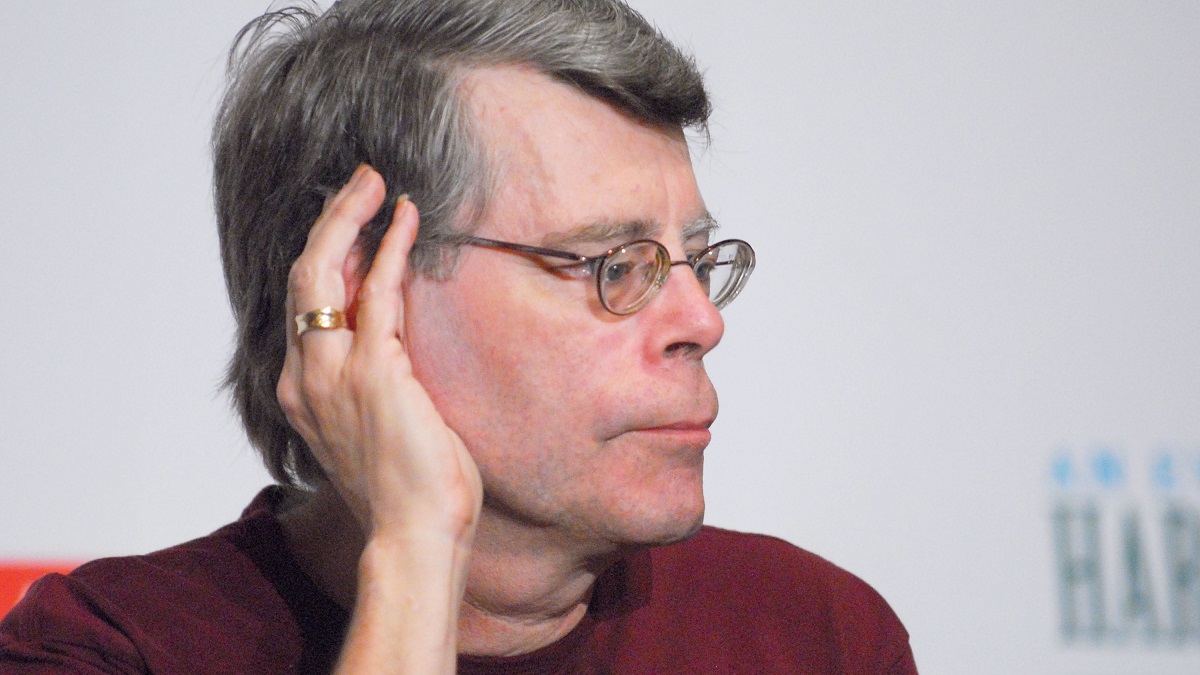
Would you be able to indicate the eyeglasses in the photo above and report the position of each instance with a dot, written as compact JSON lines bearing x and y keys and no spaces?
{"x":629,"y":276}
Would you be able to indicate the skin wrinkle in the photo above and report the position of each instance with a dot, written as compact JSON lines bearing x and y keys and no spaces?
{"x":607,"y":234}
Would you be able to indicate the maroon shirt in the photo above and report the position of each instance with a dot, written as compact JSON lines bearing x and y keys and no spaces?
{"x":237,"y":602}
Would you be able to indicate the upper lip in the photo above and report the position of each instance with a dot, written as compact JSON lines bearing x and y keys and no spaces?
{"x":684,"y":425}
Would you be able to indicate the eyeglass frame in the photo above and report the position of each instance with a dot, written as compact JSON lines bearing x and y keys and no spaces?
{"x":596,"y":262}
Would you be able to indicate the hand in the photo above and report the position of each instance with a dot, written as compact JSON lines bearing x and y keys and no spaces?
{"x":351,"y":394}
{"x":386,"y":450}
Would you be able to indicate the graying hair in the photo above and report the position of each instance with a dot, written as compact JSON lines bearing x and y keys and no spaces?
{"x":312,"y":95}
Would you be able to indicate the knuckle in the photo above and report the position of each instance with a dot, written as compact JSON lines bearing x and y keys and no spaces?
{"x":302,"y":275}
{"x":289,"y":399}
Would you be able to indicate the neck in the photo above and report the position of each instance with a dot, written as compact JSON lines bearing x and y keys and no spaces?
{"x":525,"y":590}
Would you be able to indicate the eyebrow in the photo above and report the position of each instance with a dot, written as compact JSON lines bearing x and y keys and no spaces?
{"x":704,"y":225}
{"x":625,"y":231}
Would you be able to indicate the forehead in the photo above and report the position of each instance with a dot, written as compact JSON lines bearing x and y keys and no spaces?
{"x":567,"y":165}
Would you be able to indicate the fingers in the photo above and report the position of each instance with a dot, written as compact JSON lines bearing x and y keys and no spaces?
{"x":380,"y":304}
{"x":316,"y":281}
{"x":351,"y":394}
{"x":316,"y":276}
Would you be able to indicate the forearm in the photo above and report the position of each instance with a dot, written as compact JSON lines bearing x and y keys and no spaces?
{"x":406,"y":612}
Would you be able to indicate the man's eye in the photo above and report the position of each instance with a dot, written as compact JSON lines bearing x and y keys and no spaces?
{"x":618,"y":271}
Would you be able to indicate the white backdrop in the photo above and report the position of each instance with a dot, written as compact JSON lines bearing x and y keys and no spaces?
{"x":977,"y":298}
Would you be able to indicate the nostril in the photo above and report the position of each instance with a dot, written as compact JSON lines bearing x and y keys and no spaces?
{"x":683,"y":349}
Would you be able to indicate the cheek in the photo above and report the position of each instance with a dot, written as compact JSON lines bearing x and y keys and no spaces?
{"x":610,"y":367}
{"x":482,"y":367}
{"x":504,"y":365}
{"x":439,"y":345}
{"x":542,"y":368}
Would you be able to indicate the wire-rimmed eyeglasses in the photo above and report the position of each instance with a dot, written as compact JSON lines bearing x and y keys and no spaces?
{"x":628,"y":276}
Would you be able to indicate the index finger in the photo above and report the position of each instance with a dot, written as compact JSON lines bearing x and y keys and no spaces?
{"x":316,"y":276}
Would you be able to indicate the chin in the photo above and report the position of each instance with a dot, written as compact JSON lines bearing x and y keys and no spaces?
{"x":672,"y":513}
{"x":664,"y":526}
{"x":682,"y":533}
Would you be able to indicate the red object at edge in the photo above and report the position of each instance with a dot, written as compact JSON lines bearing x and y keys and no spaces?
{"x":17,"y":575}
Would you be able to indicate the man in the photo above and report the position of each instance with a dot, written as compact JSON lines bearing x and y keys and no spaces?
{"x":478,"y":376}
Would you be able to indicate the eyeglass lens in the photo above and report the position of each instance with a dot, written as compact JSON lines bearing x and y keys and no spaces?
{"x":632,"y":274}
{"x":724,"y":269}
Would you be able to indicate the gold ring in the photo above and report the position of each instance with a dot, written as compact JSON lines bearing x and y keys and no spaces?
{"x":326,"y":318}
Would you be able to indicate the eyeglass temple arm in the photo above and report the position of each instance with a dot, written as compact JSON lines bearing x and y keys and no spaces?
{"x":522,"y":248}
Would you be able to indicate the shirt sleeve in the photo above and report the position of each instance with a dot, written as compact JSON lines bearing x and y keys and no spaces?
{"x":57,"y":628}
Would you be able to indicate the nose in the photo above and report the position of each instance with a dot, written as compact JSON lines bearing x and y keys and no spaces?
{"x":686,"y":322}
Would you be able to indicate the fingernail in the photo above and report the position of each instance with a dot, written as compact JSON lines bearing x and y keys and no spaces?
{"x":401,"y":201}
{"x":358,"y":175}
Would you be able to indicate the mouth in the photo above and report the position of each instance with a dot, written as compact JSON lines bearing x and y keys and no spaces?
{"x":682,"y":433}
{"x":683,"y":426}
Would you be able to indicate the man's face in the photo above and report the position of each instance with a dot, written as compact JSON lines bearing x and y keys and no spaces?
{"x":586,"y":426}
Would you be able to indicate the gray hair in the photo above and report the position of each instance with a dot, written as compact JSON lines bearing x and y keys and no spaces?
{"x":312,"y":95}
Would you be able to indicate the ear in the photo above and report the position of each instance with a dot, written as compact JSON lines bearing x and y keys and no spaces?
{"x":352,"y":277}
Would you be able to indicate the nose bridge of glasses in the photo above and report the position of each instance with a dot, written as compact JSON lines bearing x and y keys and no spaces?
{"x":694,"y":274}
{"x":691,"y":263}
